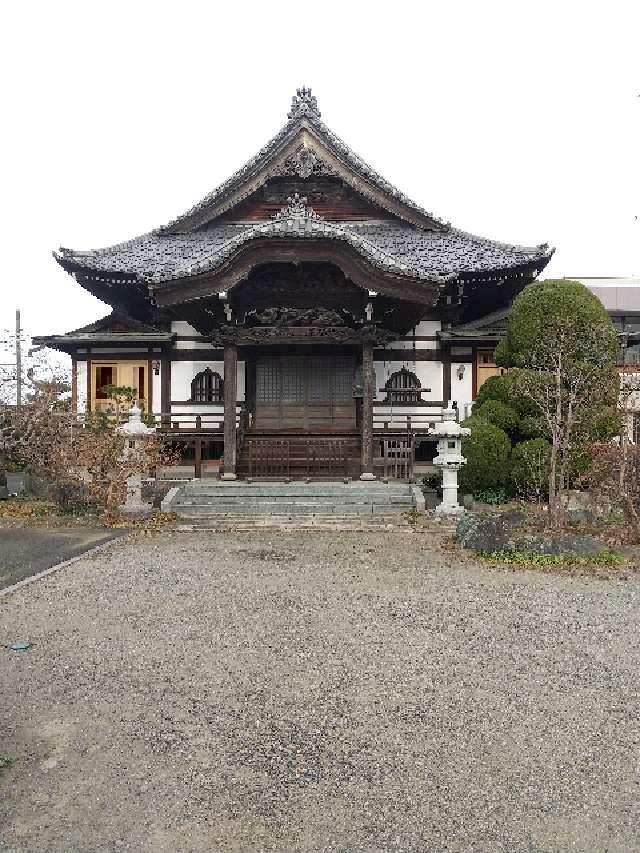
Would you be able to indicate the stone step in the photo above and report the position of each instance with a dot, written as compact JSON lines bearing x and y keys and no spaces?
{"x":302,"y":491}
{"x":283,"y":508}
{"x":371,"y":523}
{"x":327,"y":498}
{"x":202,"y":500}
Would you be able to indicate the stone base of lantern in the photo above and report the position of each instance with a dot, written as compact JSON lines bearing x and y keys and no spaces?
{"x":134,"y":505}
{"x":444,"y":511}
{"x":449,"y":508}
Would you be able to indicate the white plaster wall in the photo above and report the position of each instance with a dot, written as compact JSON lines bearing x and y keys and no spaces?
{"x":179,"y":344}
{"x":461,"y":389}
{"x":428,"y":327}
{"x":182,"y":373}
{"x":81,"y":380}
{"x":156,"y":390}
{"x":181,"y":327}
{"x":429,"y":374}
{"x":404,"y":344}
{"x":423,"y":328}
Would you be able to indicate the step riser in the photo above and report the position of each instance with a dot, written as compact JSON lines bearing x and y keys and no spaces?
{"x":298,"y":511}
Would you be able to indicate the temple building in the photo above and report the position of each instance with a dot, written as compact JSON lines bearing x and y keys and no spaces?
{"x":306,"y":314}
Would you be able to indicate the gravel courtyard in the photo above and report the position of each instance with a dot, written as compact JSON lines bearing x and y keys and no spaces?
{"x":318,"y":691}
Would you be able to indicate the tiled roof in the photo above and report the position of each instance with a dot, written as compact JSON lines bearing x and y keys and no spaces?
{"x":392,"y":246}
{"x":191,"y":245}
{"x":304,"y":113}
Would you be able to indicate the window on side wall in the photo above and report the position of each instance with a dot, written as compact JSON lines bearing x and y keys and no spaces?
{"x":403,"y":388}
{"x":207,"y":387}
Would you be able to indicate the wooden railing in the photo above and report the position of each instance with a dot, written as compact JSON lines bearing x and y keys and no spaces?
{"x":195,"y":421}
{"x":285,"y":458}
{"x":394,"y":422}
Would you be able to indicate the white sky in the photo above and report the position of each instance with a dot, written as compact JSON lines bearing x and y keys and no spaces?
{"x":515,"y":121}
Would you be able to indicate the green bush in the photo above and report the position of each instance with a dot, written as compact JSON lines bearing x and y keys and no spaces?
{"x":530,"y":468}
{"x":503,"y":388}
{"x":498,"y":413}
{"x":492,"y":496}
{"x":487,"y":452}
{"x":531,"y":427}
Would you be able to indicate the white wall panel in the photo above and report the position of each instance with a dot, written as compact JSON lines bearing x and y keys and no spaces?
{"x":428,"y":327}
{"x":405,"y":344}
{"x":461,"y":388}
{"x":156,"y":390}
{"x":81,"y":380}
{"x":193,"y":345}
{"x":181,"y":327}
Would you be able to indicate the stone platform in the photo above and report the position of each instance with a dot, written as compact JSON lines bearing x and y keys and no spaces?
{"x":203,"y":499}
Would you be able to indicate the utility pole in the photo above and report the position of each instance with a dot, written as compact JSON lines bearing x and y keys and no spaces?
{"x":18,"y":360}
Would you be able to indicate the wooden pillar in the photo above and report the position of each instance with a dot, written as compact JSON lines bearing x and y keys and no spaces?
{"x":230,"y":394}
{"x":368,"y":396}
{"x":197,"y":457}
{"x":446,"y":373}
{"x":89,"y":406}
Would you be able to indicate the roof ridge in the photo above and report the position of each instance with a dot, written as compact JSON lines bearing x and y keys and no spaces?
{"x":304,"y":112}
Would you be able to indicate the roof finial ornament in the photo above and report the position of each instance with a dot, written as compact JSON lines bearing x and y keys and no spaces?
{"x":297,"y":208}
{"x":303,"y":104}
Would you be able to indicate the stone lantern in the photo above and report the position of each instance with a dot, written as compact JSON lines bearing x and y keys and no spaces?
{"x":134,"y":430}
{"x":450,"y":459}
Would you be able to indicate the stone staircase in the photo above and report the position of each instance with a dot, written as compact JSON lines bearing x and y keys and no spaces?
{"x":202,"y":499}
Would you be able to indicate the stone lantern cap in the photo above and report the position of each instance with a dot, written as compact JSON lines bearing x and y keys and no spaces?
{"x":449,"y":427}
{"x":134,"y":428}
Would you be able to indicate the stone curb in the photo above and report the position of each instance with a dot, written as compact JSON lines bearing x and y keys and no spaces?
{"x":43,"y":574}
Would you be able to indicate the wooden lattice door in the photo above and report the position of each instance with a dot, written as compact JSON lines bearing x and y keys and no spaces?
{"x":305,"y":392}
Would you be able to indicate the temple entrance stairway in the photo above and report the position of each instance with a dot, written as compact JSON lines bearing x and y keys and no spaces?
{"x":202,"y":499}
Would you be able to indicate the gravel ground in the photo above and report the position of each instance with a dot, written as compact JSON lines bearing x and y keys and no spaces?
{"x":318,"y":692}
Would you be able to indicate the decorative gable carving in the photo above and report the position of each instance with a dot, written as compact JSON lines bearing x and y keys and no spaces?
{"x":303,"y":163}
{"x":297,"y":209}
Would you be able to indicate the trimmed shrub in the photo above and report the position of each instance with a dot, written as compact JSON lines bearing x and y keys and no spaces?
{"x":503,"y":388}
{"x":487,"y":452}
{"x":530,"y":468}
{"x":531,"y":427}
{"x":499,"y":414}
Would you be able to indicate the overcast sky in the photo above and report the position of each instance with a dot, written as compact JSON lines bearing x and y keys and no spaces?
{"x":515,"y":121}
